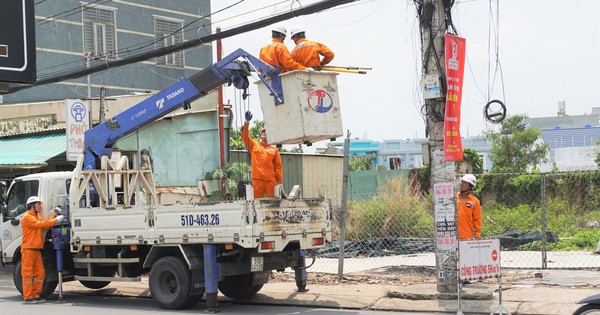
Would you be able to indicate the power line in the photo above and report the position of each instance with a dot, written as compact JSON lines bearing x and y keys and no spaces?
{"x":316,"y":7}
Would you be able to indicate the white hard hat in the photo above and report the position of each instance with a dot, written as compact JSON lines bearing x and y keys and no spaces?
{"x":33,"y":199}
{"x":279,"y":28}
{"x":297,"y":29}
{"x":470,"y":178}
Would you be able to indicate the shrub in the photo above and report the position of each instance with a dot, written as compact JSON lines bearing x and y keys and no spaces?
{"x":396,"y":210}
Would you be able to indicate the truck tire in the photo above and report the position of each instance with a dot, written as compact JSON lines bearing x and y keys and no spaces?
{"x":48,"y":287}
{"x":238,"y":286}
{"x":170,"y":283}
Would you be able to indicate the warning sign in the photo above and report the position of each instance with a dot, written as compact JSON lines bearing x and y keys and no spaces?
{"x":479,"y":258}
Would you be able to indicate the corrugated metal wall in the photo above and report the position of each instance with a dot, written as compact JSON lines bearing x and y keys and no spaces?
{"x":318,"y":175}
{"x":323,"y":175}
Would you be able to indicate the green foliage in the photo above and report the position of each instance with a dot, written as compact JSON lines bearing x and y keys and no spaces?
{"x":231,"y":174}
{"x":568,"y":223}
{"x":597,"y":159}
{"x":472,"y":155}
{"x":359,"y":163}
{"x":396,"y":210}
{"x":515,"y":146}
{"x":235,"y":136}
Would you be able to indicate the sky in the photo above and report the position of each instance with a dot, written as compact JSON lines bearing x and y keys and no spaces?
{"x":548,"y":51}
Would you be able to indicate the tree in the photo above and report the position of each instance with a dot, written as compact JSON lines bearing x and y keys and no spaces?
{"x":516,"y":147}
{"x":473,"y":156}
{"x":359,"y":163}
{"x":597,"y":160}
{"x":235,"y":136}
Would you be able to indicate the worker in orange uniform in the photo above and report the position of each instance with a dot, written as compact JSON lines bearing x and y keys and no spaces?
{"x":32,"y":269}
{"x":307,"y":52}
{"x":277,"y":54}
{"x":267,"y":170}
{"x":469,"y":209}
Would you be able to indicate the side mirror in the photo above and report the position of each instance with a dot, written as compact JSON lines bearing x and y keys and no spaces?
{"x":15,"y":222}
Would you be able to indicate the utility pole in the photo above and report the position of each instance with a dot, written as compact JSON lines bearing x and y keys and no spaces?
{"x":102,"y":104}
{"x":431,"y":15}
{"x":88,"y":59}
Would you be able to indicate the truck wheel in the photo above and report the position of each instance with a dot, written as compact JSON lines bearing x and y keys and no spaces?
{"x":170,"y":283}
{"x":47,"y":288}
{"x":238,"y":286}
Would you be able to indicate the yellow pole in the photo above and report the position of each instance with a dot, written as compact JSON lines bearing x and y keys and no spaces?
{"x":349,"y":67}
{"x":344,"y":70}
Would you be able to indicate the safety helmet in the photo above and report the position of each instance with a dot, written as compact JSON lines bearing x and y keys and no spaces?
{"x":470,"y":178}
{"x":33,"y":199}
{"x":279,"y":29}
{"x":297,"y":29}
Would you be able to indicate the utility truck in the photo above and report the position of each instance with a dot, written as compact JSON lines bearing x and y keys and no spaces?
{"x":186,"y":249}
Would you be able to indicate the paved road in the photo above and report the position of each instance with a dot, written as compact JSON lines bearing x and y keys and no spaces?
{"x":77,"y":304}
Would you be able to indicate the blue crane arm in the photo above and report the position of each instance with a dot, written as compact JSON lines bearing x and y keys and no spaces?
{"x":233,"y":69}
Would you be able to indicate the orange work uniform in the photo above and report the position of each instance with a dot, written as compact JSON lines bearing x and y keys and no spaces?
{"x":32,"y":268}
{"x":308,"y":53}
{"x":277,"y":55}
{"x":267,"y":170}
{"x":469,"y":216}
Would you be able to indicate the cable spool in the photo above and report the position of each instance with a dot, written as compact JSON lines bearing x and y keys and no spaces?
{"x":494,"y":116}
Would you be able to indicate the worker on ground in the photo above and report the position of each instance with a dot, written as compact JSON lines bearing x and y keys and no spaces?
{"x":307,"y":52}
{"x":277,"y":54}
{"x":32,"y":268}
{"x":267,"y":170}
{"x":469,"y":209}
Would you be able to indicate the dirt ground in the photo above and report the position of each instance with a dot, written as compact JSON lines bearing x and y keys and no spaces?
{"x":393,"y":275}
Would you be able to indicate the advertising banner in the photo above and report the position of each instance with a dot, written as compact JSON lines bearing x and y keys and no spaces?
{"x":77,"y":124}
{"x":479,"y":258}
{"x":455,"y":66}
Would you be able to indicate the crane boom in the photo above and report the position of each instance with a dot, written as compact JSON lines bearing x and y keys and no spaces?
{"x":233,"y":69}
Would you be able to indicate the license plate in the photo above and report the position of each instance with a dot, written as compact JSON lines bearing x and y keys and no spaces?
{"x":257,"y":263}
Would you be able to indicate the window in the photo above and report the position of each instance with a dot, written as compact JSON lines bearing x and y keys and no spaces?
{"x":167,"y":33}
{"x":18,"y":195}
{"x":395,"y":163}
{"x":99,"y":31}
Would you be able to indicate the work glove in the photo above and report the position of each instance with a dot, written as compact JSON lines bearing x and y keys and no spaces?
{"x":309,"y":69}
{"x":57,"y":211}
{"x":59,"y":219}
{"x":248,"y":116}
{"x":317,"y":68}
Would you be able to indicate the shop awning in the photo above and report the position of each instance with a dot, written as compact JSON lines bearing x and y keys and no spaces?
{"x":31,"y":151}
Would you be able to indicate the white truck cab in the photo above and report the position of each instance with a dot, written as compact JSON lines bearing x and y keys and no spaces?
{"x":52,"y":188}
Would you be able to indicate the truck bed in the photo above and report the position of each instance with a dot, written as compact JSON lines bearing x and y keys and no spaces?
{"x":246,"y":223}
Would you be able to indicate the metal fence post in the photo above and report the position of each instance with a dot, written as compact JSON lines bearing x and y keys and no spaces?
{"x":343,"y":206}
{"x":544,"y":202}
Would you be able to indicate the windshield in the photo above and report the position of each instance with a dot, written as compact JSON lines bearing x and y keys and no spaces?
{"x":17,"y":197}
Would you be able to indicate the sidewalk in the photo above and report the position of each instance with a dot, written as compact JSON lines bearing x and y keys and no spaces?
{"x":556,"y":293}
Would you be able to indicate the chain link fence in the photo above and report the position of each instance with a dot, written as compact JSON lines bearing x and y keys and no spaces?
{"x":544,"y":221}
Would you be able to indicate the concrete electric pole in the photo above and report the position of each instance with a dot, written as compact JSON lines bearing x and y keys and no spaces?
{"x":432,"y":20}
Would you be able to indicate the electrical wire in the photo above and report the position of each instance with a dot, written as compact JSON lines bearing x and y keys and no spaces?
{"x":133,"y":48}
{"x":69,"y":12}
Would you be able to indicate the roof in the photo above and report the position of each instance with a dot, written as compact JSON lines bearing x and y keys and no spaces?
{"x":565,"y":122}
{"x":575,"y":137}
{"x":31,"y":151}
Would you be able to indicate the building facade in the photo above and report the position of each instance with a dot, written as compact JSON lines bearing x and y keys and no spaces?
{"x":69,"y":31}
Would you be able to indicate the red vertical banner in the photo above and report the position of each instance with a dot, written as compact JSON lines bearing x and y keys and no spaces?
{"x":455,"y":68}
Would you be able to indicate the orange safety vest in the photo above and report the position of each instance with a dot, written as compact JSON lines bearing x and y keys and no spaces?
{"x":33,"y":226}
{"x":277,"y":55}
{"x":469,"y":216}
{"x":308,"y":53}
{"x":266,"y":160}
